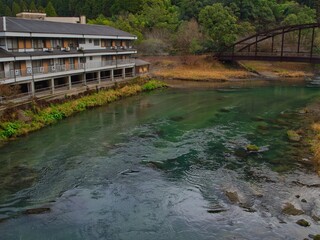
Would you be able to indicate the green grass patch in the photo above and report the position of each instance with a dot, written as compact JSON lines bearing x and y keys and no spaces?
{"x":152,"y":85}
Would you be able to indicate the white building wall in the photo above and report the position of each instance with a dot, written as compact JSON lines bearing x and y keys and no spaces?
{"x":7,"y":69}
{"x":90,"y":45}
{"x":28,"y":64}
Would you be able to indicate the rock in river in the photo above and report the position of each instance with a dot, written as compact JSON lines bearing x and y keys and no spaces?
{"x":37,"y":210}
{"x":252,"y":148}
{"x":303,"y":223}
{"x":290,"y":209}
{"x":233,"y":196}
{"x":293,"y":136}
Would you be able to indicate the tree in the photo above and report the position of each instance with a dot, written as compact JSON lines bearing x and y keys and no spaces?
{"x":23,"y":6}
{"x":32,"y":6}
{"x":159,"y":14}
{"x":50,"y":11}
{"x":15,"y":8}
{"x":123,"y":6}
{"x":126,"y":22}
{"x":190,"y":8}
{"x":7,"y":11}
{"x":219,"y":25}
{"x":305,"y":15}
{"x":188,"y":37}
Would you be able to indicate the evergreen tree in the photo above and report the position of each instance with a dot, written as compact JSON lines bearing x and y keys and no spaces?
{"x":50,"y":11}
{"x":2,"y":8}
{"x":7,"y":11}
{"x":15,"y":8}
{"x":32,"y":6}
{"x":23,"y":6}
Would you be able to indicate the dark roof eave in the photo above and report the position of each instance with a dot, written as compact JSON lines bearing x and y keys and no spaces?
{"x":19,"y":25}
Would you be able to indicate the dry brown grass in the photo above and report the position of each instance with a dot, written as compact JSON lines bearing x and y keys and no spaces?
{"x":206,"y":68}
{"x":194,"y":68}
{"x":294,"y":74}
{"x":201,"y":73}
{"x":316,"y":145}
{"x":281,"y":69}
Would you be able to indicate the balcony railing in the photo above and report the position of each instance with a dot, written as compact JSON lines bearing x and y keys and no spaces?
{"x":17,"y":73}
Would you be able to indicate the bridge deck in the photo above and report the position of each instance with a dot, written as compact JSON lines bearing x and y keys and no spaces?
{"x":269,"y":58}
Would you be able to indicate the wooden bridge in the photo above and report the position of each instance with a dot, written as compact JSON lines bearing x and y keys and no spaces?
{"x":296,"y":43}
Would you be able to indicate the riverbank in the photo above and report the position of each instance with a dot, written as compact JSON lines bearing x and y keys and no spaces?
{"x":206,"y":68}
{"x":313,"y":131}
{"x":39,"y":114}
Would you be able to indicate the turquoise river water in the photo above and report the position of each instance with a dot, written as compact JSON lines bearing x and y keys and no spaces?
{"x":160,"y":166}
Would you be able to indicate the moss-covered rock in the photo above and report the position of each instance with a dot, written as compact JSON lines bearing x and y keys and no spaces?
{"x":293,"y":136}
{"x":303,"y":223}
{"x":290,"y":209}
{"x":232,"y":196}
{"x":316,"y":237}
{"x":252,"y":148}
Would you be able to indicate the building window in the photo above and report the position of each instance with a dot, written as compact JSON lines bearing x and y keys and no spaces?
{"x":2,"y":42}
{"x":72,"y":63}
{"x":96,"y":42}
{"x":91,"y":58}
{"x":59,"y":61}
{"x":55,"y":43}
{"x":12,"y":44}
{"x":37,"y":44}
{"x":90,"y":40}
{"x":37,"y":63}
{"x":81,"y":41}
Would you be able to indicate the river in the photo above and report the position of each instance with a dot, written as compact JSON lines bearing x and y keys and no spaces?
{"x":165,"y":165}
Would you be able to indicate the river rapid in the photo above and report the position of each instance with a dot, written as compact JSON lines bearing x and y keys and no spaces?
{"x":170,"y":164}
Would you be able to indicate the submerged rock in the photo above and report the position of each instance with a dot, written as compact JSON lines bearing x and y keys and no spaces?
{"x":37,"y":211}
{"x":303,"y":111}
{"x":290,"y":209}
{"x":214,"y":211}
{"x":316,"y":237}
{"x":129,"y":171}
{"x":263,"y":127}
{"x":315,"y":213}
{"x":252,"y":148}
{"x":258,"y":119}
{"x":226,"y":109}
{"x":154,"y":164}
{"x":233,"y":196}
{"x":303,"y":223}
{"x":293,"y":136}
{"x":18,"y":177}
{"x":177,"y":118}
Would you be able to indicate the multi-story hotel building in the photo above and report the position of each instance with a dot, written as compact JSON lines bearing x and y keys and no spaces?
{"x":46,"y":56}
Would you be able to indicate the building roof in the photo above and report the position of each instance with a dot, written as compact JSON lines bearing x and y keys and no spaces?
{"x":140,"y":62}
{"x":12,"y":24}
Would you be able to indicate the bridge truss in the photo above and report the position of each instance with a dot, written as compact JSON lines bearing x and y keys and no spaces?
{"x":297,"y":43}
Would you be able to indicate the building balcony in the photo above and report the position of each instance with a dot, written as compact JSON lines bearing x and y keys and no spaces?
{"x":55,"y":70}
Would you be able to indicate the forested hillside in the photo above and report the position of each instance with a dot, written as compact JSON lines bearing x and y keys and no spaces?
{"x":188,"y":26}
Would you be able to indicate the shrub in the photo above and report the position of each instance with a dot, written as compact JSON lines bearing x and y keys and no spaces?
{"x":153,"y":84}
{"x":9,"y":129}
